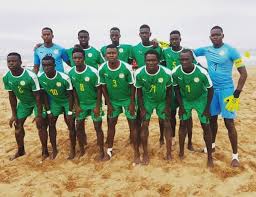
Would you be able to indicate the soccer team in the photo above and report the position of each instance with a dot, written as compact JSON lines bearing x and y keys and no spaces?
{"x":135,"y":80}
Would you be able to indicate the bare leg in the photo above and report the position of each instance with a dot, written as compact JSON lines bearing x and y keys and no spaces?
{"x":134,"y":134}
{"x":144,"y":141}
{"x":208,"y":143}
{"x":182,"y":136}
{"x":100,"y":139}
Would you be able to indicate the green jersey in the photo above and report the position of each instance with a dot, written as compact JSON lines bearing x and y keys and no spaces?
{"x":117,"y":80}
{"x":56,"y":87}
{"x":138,"y":53}
{"x":172,"y":58}
{"x":124,"y":52}
{"x":153,"y":85}
{"x":192,"y":85}
{"x":23,"y":86}
{"x":85,"y":83}
{"x":92,"y":57}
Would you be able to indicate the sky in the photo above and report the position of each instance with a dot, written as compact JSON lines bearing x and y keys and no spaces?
{"x":21,"y":21}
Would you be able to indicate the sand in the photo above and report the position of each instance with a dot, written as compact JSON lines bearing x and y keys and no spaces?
{"x":28,"y":176}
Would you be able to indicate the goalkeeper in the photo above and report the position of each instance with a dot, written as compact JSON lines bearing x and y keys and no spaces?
{"x":221,"y":58}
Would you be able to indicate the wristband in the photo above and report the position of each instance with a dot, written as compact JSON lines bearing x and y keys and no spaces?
{"x":48,"y":112}
{"x":70,"y":113}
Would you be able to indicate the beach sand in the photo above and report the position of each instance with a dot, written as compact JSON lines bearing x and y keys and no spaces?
{"x":28,"y":176}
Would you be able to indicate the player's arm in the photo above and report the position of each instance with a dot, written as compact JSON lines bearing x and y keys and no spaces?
{"x":13,"y":103}
{"x":38,"y":103}
{"x":241,"y":81}
{"x":107,"y":100}
{"x":141,"y":103}
{"x":98,"y":102}
{"x":168,"y":100}
{"x":70,"y":101}
{"x":78,"y":109}
{"x":132,"y":98}
{"x":209,"y":100}
{"x":179,"y":100}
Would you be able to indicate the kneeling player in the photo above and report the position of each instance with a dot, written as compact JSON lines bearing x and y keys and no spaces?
{"x":87,"y":94}
{"x":117,"y":82}
{"x":57,"y":90}
{"x":193,"y":88}
{"x":154,"y":92}
{"x":23,"y":85}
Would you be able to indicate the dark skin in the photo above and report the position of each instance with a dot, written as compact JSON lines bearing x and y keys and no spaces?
{"x":80,"y":124}
{"x":83,"y":39}
{"x":216,"y":37}
{"x":152,"y":67}
{"x":114,"y":63}
{"x":47,"y":37}
{"x":14,"y":65}
{"x":186,"y":60}
{"x":49,"y":69}
{"x":175,"y":40}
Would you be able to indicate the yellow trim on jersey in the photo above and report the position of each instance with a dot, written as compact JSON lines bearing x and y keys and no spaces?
{"x":239,"y":63}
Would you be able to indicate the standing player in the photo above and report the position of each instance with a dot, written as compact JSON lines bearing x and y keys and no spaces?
{"x":92,"y":56}
{"x":153,"y":83}
{"x":117,"y":83}
{"x":171,"y":59}
{"x":220,"y":58}
{"x":87,"y":94}
{"x":124,"y":50}
{"x":51,"y":49}
{"x":57,"y":93}
{"x":193,"y":88}
{"x":23,"y":85}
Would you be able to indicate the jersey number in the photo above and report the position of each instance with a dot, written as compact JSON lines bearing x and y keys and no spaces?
{"x":81,"y":87}
{"x":114,"y":83}
{"x":54,"y":92}
{"x":174,"y":64}
{"x":152,"y":88}
{"x":188,"y":88}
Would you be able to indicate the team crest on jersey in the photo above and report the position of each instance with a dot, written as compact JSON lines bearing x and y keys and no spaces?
{"x":140,"y":52}
{"x":89,"y":54}
{"x":121,"y":75}
{"x":121,"y":50}
{"x":87,"y":78}
{"x":22,"y":83}
{"x":56,"y":51}
{"x":58,"y":84}
{"x":222,"y":53}
{"x":196,"y":79}
{"x":160,"y":80}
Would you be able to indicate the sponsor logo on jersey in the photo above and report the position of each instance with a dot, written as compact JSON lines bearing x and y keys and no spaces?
{"x":58,"y":84}
{"x":87,"y":79}
{"x":56,"y":51}
{"x":160,"y":80}
{"x":89,"y":55}
{"x":121,"y":50}
{"x":196,"y":79}
{"x":121,"y":75}
{"x":22,"y":83}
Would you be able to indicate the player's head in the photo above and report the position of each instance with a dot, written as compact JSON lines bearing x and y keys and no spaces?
{"x":47,"y":35}
{"x":111,"y":53}
{"x":78,"y":56}
{"x":216,"y":36}
{"x":115,"y":35}
{"x":145,"y":33}
{"x":83,"y":37}
{"x":186,"y":59}
{"x":14,"y":61}
{"x":48,"y":63}
{"x":151,"y":59}
{"x":175,"y":38}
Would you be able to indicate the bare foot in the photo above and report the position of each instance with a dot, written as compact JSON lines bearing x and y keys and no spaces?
{"x":210,"y":163}
{"x":235,"y":163}
{"x":71,"y":155}
{"x":168,"y":157}
{"x":190,"y":147}
{"x":16,"y":155}
{"x":106,"y":157}
{"x":100,"y":157}
{"x":145,"y":160}
{"x":136,"y":160}
{"x":181,"y":156}
{"x":54,"y":154}
{"x":45,"y":154}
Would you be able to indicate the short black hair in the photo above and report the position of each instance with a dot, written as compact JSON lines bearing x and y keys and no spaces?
{"x":78,"y":50}
{"x":14,"y":54}
{"x":114,"y":29}
{"x":83,"y":31}
{"x":188,"y":51}
{"x":48,"y":57}
{"x":111,"y":46}
{"x":154,"y":52}
{"x":47,"y":28}
{"x":217,"y":27}
{"x":144,"y":26}
{"x":175,"y":32}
